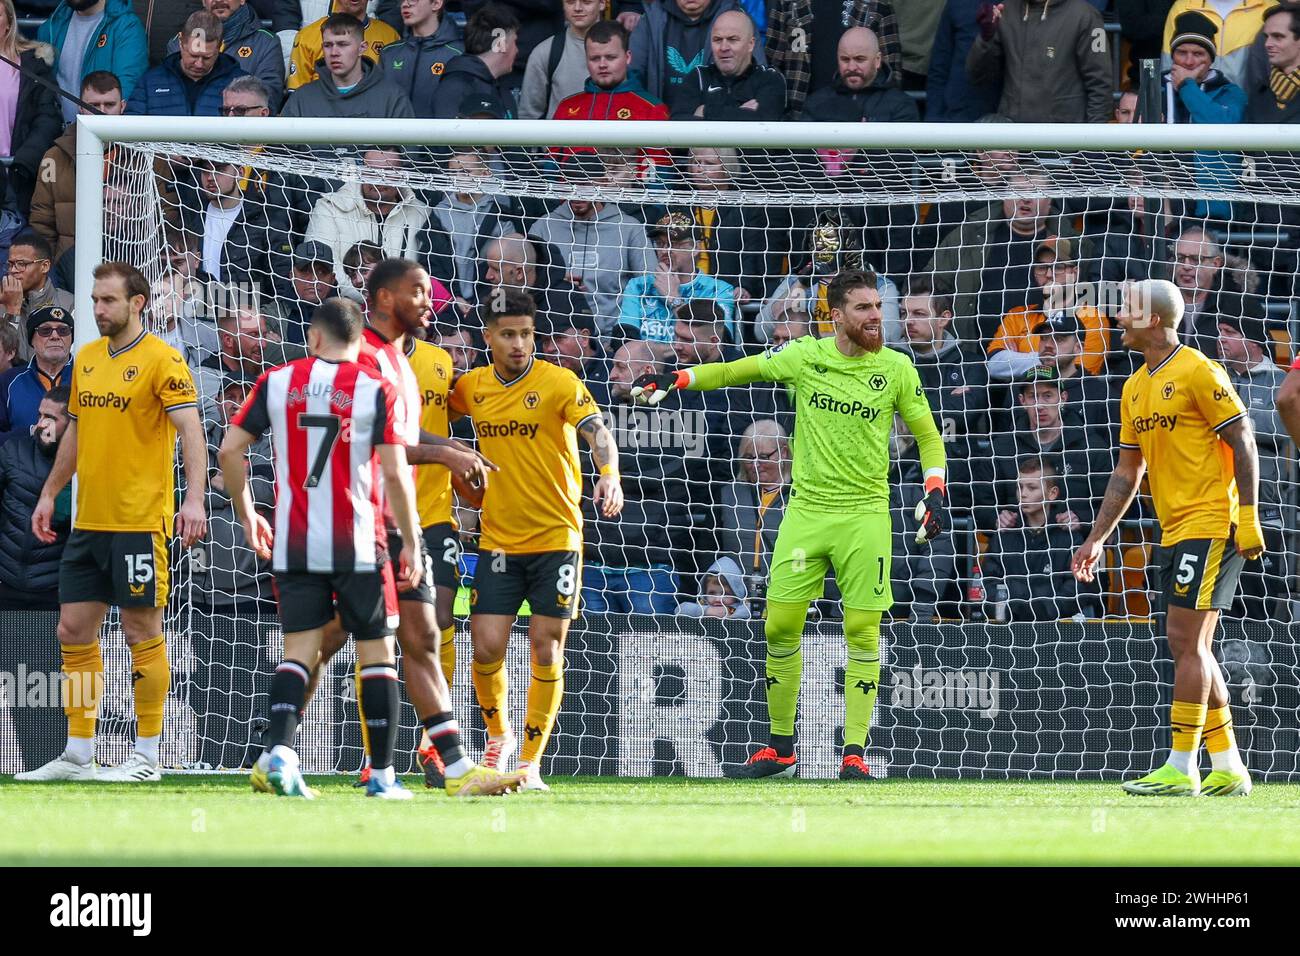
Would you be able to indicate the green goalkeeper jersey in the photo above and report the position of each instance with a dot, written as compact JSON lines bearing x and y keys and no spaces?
{"x":844,"y":413}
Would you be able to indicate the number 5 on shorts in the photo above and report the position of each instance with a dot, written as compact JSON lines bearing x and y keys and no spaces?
{"x":1186,"y":568}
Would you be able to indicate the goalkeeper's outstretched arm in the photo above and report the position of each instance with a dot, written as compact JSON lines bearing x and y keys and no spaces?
{"x":930,"y":511}
{"x":652,"y":389}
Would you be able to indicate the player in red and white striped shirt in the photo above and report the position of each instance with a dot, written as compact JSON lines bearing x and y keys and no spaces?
{"x":400,"y":305}
{"x":339,"y":457}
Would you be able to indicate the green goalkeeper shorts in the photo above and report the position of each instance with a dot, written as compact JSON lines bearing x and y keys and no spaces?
{"x":856,"y":546}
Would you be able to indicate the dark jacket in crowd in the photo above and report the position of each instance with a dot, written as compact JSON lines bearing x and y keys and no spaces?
{"x":287,"y":14}
{"x":880,"y":102}
{"x":655,"y":517}
{"x":1034,"y":565}
{"x":257,"y":51}
{"x":468,"y":76}
{"x":374,"y":96}
{"x":166,"y":91}
{"x":745,"y":521}
{"x":38,"y":120}
{"x":792,"y":30}
{"x":538,"y":19}
{"x":417,"y":64}
{"x":1082,"y":459}
{"x":956,"y":383}
{"x":27,"y":564}
{"x":722,"y":95}
{"x":950,"y":96}
{"x":667,"y":46}
{"x":1044,"y":54}
{"x":243,"y":254}
{"x":1262,"y":106}
{"x":21,"y":390}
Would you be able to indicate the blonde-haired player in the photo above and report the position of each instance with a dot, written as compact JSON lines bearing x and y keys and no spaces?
{"x":1181,"y":416}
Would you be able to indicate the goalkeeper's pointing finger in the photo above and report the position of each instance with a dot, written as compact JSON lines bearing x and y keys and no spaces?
{"x":653,"y":388}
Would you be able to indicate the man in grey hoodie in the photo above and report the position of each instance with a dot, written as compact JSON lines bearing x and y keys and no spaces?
{"x":553,"y":74}
{"x":600,"y":245}
{"x":349,"y":86}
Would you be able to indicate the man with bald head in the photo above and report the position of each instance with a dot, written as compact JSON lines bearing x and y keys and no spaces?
{"x":863,"y":90}
{"x":515,"y":262}
{"x":628,"y":560}
{"x":734,"y":86}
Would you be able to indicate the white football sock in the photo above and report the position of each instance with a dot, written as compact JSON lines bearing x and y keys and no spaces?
{"x":80,"y":750}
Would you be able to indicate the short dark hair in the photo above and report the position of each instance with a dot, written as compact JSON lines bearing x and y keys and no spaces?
{"x":59,"y":394}
{"x":842,"y":283}
{"x":1290,"y":8}
{"x":344,"y":23}
{"x":921,"y":285}
{"x":340,"y":319}
{"x":482,"y":29}
{"x":602,"y":31}
{"x":700,"y":312}
{"x":39,"y":244}
{"x":10,"y":341}
{"x":135,"y":282}
{"x":386,"y":274}
{"x":101,"y":81}
{"x":502,"y":302}
{"x":359,"y":253}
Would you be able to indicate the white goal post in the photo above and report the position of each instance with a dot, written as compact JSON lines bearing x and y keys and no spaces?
{"x":1045,"y":695}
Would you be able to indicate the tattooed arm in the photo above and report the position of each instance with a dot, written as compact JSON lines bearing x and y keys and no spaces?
{"x":1121,"y":488}
{"x":608,"y":495}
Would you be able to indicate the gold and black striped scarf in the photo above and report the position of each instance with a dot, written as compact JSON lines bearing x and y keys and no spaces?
{"x":1284,"y":86}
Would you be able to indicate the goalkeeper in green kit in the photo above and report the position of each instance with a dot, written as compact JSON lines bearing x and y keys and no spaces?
{"x":846,"y":391}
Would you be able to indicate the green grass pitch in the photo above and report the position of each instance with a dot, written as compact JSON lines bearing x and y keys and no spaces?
{"x":214,"y":820}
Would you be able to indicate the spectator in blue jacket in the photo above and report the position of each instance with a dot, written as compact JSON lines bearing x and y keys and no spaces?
{"x":90,"y":35}
{"x":29,"y":569}
{"x":417,"y":62}
{"x":189,"y":82}
{"x":647,"y":308}
{"x":257,"y":51}
{"x":950,"y":96}
{"x":49,"y":331}
{"x":1194,"y":91}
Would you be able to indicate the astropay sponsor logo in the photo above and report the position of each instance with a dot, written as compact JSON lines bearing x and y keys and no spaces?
{"x":76,"y":909}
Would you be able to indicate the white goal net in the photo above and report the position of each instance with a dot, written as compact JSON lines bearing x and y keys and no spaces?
{"x":998,"y":254}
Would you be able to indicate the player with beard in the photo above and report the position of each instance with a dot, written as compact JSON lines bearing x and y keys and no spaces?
{"x":848,"y":388}
{"x":398,"y":293}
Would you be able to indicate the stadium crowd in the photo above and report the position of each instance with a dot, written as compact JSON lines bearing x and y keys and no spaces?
{"x":1022,"y":371}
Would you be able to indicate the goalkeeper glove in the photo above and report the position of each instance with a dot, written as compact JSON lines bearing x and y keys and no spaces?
{"x":653,"y":389}
{"x":930,"y":512}
{"x":1250,"y":535}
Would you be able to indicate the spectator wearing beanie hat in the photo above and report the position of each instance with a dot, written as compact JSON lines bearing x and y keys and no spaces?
{"x":1244,"y":349}
{"x":49,"y":335}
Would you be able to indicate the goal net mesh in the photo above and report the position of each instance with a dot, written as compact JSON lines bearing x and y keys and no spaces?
{"x":998,"y":272}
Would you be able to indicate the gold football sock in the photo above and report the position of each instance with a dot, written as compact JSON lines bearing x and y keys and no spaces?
{"x":1186,"y":721}
{"x":1220,"y":741}
{"x":447,"y":654}
{"x":150,"y":679}
{"x":544,"y":693}
{"x":84,"y":666}
{"x":490,"y":688}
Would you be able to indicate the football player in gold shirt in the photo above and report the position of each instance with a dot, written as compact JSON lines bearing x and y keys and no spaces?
{"x":131,"y":394}
{"x":1181,"y":417}
{"x":527,"y":414}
